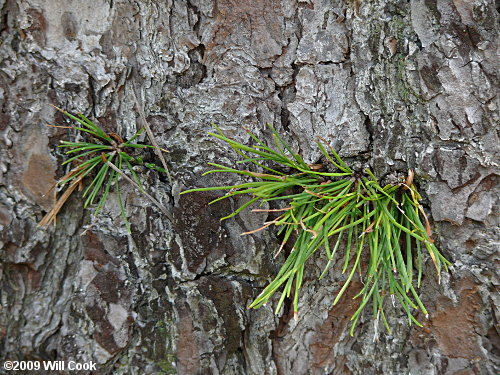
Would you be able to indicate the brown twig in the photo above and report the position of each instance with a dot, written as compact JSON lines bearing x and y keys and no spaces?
{"x":409,"y":180}
{"x":59,"y":126}
{"x":158,"y":204}
{"x":150,"y":134}
{"x":51,"y":215}
{"x":279,"y":250}
{"x":314,"y":233}
{"x":259,"y":229}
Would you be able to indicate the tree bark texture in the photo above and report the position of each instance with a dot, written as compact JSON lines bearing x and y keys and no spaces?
{"x":391,"y":84}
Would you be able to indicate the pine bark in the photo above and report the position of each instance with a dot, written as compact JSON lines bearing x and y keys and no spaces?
{"x":392,"y":85}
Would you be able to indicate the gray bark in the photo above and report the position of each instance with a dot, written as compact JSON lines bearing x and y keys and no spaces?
{"x":391,"y":84}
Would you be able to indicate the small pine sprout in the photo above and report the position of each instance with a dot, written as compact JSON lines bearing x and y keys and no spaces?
{"x":330,"y":208}
{"x":104,"y":156}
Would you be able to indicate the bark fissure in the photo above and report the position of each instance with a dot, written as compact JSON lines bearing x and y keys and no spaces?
{"x":389,"y":84}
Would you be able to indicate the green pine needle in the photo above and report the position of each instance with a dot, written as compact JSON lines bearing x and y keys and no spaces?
{"x":334,"y":209}
{"x":97,"y":153}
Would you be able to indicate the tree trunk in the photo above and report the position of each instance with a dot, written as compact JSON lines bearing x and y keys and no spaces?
{"x":392,"y":85}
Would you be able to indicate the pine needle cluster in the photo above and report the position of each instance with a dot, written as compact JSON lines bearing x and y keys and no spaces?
{"x":382,"y":231}
{"x":106,"y":158}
